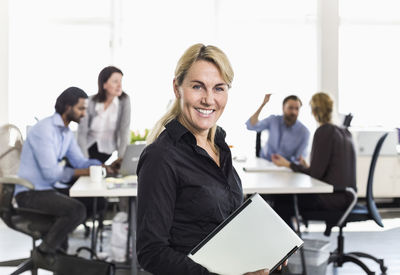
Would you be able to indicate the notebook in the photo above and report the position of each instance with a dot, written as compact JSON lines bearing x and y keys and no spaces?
{"x":253,"y":237}
{"x":124,"y":182}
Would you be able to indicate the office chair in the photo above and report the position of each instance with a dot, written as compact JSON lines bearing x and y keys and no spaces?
{"x":258,"y":144}
{"x":27,"y":221}
{"x":347,"y":120}
{"x":355,"y":212}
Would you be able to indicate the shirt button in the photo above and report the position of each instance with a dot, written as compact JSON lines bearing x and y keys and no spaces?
{"x":227,"y":188}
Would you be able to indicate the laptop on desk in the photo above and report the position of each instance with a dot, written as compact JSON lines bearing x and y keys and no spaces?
{"x":131,"y":159}
{"x":253,"y":237}
{"x":126,"y":177}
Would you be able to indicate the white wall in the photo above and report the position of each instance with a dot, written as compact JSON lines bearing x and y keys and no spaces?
{"x":4,"y":62}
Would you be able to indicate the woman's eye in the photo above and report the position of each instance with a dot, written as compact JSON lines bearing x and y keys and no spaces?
{"x":219,"y":89}
{"x":197,"y":87}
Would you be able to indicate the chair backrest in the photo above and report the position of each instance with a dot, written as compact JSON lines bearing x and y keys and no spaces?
{"x":6,"y":207}
{"x":10,"y":149}
{"x":347,"y":120}
{"x":373,"y":210}
{"x":258,"y":144}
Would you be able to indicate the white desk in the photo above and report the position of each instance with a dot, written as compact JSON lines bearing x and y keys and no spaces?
{"x":277,"y":180}
{"x":83,"y":187}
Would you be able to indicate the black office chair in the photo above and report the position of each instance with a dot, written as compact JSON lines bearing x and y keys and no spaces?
{"x":355,"y":212}
{"x":347,"y":120}
{"x":27,"y":221}
{"x":33,"y":223}
{"x":258,"y":144}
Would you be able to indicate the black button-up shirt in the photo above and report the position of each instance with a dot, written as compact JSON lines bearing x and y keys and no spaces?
{"x":182,"y":196}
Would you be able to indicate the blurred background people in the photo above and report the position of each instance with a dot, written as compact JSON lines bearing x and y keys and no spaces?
{"x":333,"y":160}
{"x":286,"y":135}
{"x":47,"y":144}
{"x":106,"y":127}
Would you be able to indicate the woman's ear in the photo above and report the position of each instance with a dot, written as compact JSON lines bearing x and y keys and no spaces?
{"x":176,"y":89}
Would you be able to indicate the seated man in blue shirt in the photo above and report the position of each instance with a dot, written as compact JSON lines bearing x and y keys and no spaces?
{"x":287,"y":136}
{"x":47,"y":143}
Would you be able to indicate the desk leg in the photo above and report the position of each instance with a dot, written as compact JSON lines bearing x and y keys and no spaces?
{"x":297,"y":215}
{"x":132,"y":231}
{"x":93,"y":242}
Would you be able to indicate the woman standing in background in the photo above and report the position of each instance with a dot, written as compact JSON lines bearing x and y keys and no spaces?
{"x":105,"y":128}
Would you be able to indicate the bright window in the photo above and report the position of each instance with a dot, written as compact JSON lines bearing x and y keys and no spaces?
{"x":369,"y":59}
{"x":271,"y":44}
{"x":54,"y":45}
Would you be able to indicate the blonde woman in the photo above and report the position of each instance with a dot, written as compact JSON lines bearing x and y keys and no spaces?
{"x":187,"y":184}
{"x":332,"y":161}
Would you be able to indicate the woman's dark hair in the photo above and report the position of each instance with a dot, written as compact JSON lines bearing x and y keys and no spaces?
{"x":104,"y":75}
{"x":69,"y":97}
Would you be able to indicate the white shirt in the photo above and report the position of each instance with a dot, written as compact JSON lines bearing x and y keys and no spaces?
{"x":103,"y":127}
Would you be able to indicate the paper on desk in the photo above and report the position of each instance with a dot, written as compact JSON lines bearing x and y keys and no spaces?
{"x":269,"y":168}
{"x":124,"y":182}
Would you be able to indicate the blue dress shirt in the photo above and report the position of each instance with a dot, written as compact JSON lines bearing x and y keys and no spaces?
{"x":47,"y":143}
{"x":288,"y":141}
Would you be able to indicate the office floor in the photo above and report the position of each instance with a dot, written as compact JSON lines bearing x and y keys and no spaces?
{"x":365,"y":236}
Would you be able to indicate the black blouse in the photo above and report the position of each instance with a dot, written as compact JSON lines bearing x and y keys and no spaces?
{"x":333,"y":158}
{"x":182,"y":196}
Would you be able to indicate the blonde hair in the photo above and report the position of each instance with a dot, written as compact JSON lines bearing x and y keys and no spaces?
{"x":192,"y":54}
{"x":322,"y":107}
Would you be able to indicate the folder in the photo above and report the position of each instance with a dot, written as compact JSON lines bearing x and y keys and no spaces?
{"x":253,"y":237}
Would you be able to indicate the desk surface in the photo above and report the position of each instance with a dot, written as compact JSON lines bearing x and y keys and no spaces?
{"x":277,"y":180}
{"x":83,"y":187}
{"x":271,"y":181}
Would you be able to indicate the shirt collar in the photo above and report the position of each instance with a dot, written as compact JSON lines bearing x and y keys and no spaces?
{"x":291,"y":126}
{"x":177,"y":131}
{"x":99,"y":107}
{"x":58,"y":121}
{"x":115,"y":101}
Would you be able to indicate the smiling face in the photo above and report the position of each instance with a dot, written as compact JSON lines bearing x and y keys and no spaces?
{"x":113,"y":85}
{"x":203,"y":96}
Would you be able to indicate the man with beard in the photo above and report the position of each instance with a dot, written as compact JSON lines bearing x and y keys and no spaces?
{"x":287,"y":136}
{"x":47,"y":144}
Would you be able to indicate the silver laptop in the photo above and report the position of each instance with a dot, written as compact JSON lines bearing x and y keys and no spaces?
{"x":131,"y":159}
{"x":253,"y":237}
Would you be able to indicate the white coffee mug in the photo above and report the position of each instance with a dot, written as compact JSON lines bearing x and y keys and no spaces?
{"x":97,"y":173}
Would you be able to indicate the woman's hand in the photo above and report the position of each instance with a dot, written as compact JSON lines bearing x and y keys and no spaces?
{"x":303,"y":162}
{"x":278,"y":160}
{"x":265,"y":271}
{"x":258,"y":272}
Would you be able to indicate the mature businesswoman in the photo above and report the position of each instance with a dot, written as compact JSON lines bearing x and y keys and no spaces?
{"x":105,"y":128}
{"x":187,"y":184}
{"x":332,"y":161}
